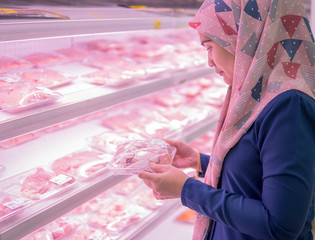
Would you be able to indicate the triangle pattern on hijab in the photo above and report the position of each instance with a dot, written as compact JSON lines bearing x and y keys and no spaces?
{"x":221,"y":6}
{"x":291,"y":46}
{"x":290,"y":23}
{"x":227,"y":29}
{"x":251,"y":9}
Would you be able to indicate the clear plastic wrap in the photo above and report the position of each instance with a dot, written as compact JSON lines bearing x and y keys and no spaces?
{"x":117,"y":216}
{"x":45,"y":78}
{"x":108,"y":141}
{"x":11,"y":204}
{"x":134,"y":156}
{"x":129,"y":185}
{"x":112,"y":77}
{"x":82,"y":163}
{"x":17,"y":97}
{"x":145,"y":198}
{"x":61,"y":228}
{"x":37,"y":183}
{"x":43,"y":59}
{"x":12,"y":142}
{"x":12,"y":64}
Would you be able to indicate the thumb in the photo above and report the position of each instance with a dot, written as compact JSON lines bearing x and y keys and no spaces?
{"x":159,"y":168}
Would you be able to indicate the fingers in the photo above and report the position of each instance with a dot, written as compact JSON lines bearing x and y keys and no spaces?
{"x":159,"y":168}
{"x":172,"y":142}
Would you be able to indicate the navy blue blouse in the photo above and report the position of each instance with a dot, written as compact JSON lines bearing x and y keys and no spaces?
{"x":267,"y":181}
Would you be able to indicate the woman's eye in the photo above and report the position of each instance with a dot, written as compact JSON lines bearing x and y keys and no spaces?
{"x":209,"y":49}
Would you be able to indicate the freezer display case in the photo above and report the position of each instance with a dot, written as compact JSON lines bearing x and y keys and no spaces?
{"x":78,"y":84}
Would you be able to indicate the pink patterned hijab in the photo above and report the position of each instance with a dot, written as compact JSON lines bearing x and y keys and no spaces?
{"x":274,"y":52}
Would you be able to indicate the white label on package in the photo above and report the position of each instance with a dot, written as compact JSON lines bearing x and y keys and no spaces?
{"x":97,"y":235}
{"x":19,"y":202}
{"x":61,"y":179}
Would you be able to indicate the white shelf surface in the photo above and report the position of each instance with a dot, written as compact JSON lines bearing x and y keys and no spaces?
{"x":88,"y":20}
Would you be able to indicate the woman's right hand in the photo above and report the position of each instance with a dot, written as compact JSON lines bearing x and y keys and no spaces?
{"x":185,"y":156}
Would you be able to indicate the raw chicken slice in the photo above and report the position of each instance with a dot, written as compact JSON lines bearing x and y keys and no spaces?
{"x":73,"y":162}
{"x":45,"y":59}
{"x":45,"y":78}
{"x":134,"y":156}
{"x":20,"y":96}
{"x":43,"y":183}
{"x":11,"y":64}
{"x":108,"y":141}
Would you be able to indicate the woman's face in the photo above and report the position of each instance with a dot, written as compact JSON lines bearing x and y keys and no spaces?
{"x":219,"y":58}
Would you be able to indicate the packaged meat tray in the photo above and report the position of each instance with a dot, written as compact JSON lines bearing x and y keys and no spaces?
{"x":11,"y":204}
{"x":145,"y":198}
{"x":117,"y":216}
{"x":128,"y":186}
{"x":90,"y":233}
{"x":134,"y":156}
{"x":108,"y":141}
{"x":17,"y":97}
{"x":45,"y":78}
{"x":8,"y":64}
{"x":82,"y":163}
{"x":36,"y":184}
{"x":42,"y":59}
{"x":112,"y":77}
{"x":12,"y":142}
{"x":61,"y":228}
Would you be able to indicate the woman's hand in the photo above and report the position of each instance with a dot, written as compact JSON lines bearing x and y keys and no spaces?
{"x":166,"y":182}
{"x":185,"y":156}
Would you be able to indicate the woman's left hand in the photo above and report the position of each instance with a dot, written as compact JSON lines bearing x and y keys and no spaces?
{"x":166,"y":181}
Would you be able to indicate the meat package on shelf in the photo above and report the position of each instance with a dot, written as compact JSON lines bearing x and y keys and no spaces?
{"x":101,"y":62}
{"x":109,"y":216}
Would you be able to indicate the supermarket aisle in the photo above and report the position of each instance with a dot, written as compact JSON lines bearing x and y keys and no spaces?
{"x":171,"y":228}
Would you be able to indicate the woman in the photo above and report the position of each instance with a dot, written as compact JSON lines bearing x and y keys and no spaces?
{"x":259,"y":180}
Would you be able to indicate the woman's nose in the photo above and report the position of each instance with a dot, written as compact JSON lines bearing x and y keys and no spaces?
{"x":210,"y":62}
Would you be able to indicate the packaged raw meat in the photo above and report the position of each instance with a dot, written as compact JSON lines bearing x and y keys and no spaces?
{"x":74,"y":54}
{"x":105,"y":45}
{"x":117,"y":216}
{"x":90,"y":233}
{"x":21,"y":96}
{"x":11,"y":64}
{"x":82,"y":163}
{"x":169,"y":99}
{"x":205,"y":82}
{"x":111,"y":77}
{"x":116,"y":119}
{"x":45,"y":78}
{"x":105,"y":61}
{"x":12,"y":142}
{"x":40,"y":234}
{"x":11,"y":204}
{"x":190,"y":90}
{"x":145,"y":198}
{"x":127,"y":186}
{"x":134,"y":156}
{"x":93,"y":205}
{"x":45,"y":59}
{"x":108,"y":141}
{"x":62,"y":228}
{"x":37,"y":183}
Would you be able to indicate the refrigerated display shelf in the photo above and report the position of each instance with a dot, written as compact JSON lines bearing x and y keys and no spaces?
{"x":87,"y":21}
{"x":84,"y":102}
{"x":47,"y":210}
